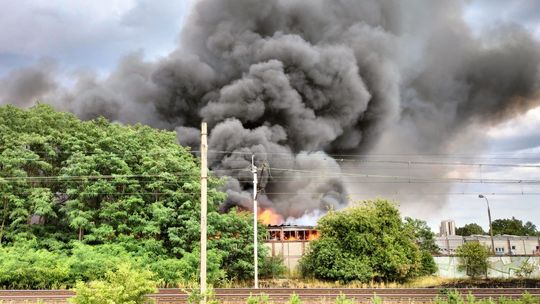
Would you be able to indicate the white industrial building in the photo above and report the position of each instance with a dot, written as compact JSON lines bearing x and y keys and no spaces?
{"x":447,"y":228}
{"x":292,"y":242}
{"x":504,"y":244}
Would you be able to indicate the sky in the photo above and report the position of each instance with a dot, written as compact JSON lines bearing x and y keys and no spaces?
{"x":88,"y":35}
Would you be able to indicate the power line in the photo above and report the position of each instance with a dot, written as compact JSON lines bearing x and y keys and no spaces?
{"x":435,"y":155}
{"x":388,"y":193}
{"x":412,"y":194}
{"x":316,"y":175}
{"x":510,"y":155}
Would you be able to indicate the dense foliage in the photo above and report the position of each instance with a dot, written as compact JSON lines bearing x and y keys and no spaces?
{"x":124,"y":285}
{"x":129,"y":192}
{"x":513,"y":226}
{"x":473,"y":259}
{"x":366,"y":242}
{"x":470,"y":229}
{"x":425,"y":238}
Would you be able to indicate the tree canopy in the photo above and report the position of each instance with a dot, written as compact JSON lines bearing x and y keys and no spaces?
{"x":365,"y":242}
{"x":64,"y":181}
{"x":513,"y":226}
{"x":470,"y":229}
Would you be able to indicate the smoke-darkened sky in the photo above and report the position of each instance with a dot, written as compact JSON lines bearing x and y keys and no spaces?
{"x":365,"y":77}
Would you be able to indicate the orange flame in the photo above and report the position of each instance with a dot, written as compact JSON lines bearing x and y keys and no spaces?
{"x":313,"y":236}
{"x":269,"y":217}
{"x":292,"y":238}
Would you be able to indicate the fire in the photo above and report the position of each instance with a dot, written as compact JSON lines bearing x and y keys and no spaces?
{"x":291,"y":238}
{"x":269,"y":217}
{"x":313,"y":235}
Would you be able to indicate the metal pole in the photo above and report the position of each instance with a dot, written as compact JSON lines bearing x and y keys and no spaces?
{"x":255,"y":238}
{"x":490,"y":226}
{"x":204,"y":183}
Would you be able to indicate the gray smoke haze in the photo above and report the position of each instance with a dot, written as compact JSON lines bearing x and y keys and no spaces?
{"x":296,"y":81}
{"x":26,"y":85}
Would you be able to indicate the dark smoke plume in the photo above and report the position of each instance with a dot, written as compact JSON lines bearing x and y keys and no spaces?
{"x":295,"y":81}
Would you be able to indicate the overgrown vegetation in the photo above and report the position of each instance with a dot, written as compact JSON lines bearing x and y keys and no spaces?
{"x":122,"y":286}
{"x":366,"y":242}
{"x":79,"y":198}
{"x":473,"y":259}
{"x":511,"y":226}
{"x":454,"y":297}
{"x":470,"y":229}
{"x":425,"y":238}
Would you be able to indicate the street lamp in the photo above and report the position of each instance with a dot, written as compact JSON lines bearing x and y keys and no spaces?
{"x":490,"y":227}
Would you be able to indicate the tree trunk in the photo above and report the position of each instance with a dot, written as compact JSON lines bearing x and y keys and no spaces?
{"x":80,"y":233}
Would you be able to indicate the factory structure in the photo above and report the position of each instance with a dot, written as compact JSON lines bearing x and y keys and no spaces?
{"x":291,"y":242}
{"x":448,"y":242}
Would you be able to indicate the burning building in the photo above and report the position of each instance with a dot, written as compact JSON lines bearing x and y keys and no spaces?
{"x":291,"y":242}
{"x":300,"y":84}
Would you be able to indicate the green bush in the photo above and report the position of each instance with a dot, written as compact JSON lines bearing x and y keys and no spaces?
{"x":186,"y":270}
{"x":123,"y":286}
{"x":526,"y":269}
{"x":272,"y":267}
{"x":88,"y":263}
{"x":342,"y":299}
{"x":473,"y":259}
{"x":367,"y":242}
{"x":294,"y":299}
{"x":24,"y":267}
{"x":258,"y":299}
{"x":454,"y":297}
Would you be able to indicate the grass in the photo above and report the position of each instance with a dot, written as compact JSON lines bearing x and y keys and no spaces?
{"x":422,"y":282}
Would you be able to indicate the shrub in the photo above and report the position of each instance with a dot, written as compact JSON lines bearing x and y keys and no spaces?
{"x":294,"y":299}
{"x":125,"y":285}
{"x":526,"y":269}
{"x":272,"y":267}
{"x":24,"y":267}
{"x":473,"y":258}
{"x":259,"y":299}
{"x":342,"y":299}
{"x":367,"y":242}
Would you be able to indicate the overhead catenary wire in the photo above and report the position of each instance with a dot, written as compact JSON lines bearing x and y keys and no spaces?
{"x":372,"y":155}
{"x":313,"y":175}
{"x":340,"y":157}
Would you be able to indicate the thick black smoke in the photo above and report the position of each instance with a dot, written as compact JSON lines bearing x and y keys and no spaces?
{"x":294,"y":81}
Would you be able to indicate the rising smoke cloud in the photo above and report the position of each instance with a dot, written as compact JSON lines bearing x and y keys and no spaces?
{"x":296,"y":81}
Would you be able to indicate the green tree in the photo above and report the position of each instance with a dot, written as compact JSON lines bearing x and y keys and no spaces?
{"x":364,"y":242}
{"x":65,"y":183}
{"x":470,"y":229}
{"x":473,"y":259}
{"x":425,"y":239}
{"x":513,"y":226}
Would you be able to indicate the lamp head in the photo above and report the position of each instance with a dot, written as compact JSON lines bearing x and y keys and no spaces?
{"x":481,"y":196}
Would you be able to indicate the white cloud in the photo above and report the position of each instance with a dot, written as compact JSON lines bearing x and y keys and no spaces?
{"x":519,"y":126}
{"x":93,"y":34}
{"x":484,"y":14}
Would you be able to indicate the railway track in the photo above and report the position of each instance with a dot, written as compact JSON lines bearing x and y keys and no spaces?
{"x":281,"y":295}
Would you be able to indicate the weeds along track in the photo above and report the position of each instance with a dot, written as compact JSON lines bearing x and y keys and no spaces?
{"x":281,"y":295}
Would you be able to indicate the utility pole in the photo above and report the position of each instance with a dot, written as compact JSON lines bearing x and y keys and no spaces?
{"x":490,"y":227}
{"x":255,"y":243}
{"x":204,"y":184}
